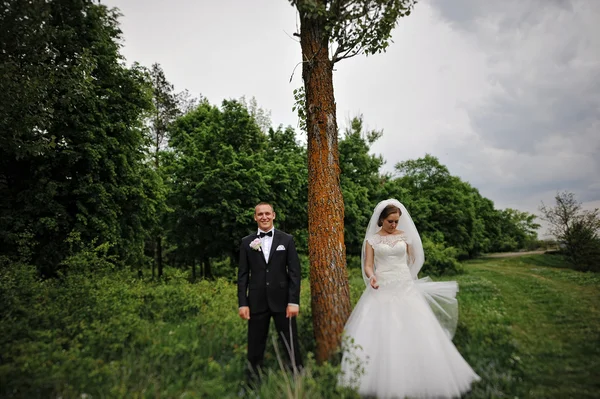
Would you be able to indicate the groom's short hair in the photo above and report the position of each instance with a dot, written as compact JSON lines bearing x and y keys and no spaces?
{"x":263,"y":203}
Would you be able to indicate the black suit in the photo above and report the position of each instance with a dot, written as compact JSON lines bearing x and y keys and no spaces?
{"x":268,"y":288}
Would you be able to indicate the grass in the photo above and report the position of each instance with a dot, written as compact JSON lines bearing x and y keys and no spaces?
{"x":528,"y":326}
{"x":554,"y":318}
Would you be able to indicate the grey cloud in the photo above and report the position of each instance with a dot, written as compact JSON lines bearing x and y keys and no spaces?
{"x":465,"y":14}
{"x":542,"y":112}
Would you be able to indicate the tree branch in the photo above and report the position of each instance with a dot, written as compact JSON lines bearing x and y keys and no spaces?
{"x":348,"y":54}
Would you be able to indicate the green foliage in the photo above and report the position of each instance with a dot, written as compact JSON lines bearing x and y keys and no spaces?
{"x":261,"y":116}
{"x":316,"y":381}
{"x":357,"y":284}
{"x":455,"y":217}
{"x":215,"y":177}
{"x":439,"y":259}
{"x":166,"y":108}
{"x":356,"y":27}
{"x":287,"y":179}
{"x":576,"y":230}
{"x":71,"y":159}
{"x":221,"y":165}
{"x":517,"y":230}
{"x":440,"y":203}
{"x":300,"y":107}
{"x":583,"y":247}
{"x":107,"y":333}
{"x":360,"y":181}
{"x":112,"y":334}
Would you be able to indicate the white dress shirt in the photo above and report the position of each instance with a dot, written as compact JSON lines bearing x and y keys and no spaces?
{"x":266,"y":242}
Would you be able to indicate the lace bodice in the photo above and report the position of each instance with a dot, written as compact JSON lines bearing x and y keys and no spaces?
{"x":390,"y":257}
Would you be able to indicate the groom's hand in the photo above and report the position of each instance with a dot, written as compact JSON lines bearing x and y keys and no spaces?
{"x":292,"y":311}
{"x":244,"y":312}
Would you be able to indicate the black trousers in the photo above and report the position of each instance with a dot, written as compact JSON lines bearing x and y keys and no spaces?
{"x":258,"y":331}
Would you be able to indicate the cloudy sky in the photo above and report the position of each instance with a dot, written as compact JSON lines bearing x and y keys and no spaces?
{"x":505,"y":93}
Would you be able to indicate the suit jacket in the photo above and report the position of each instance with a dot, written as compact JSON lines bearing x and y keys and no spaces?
{"x":263,"y":286}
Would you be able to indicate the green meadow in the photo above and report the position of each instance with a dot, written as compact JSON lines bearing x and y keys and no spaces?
{"x":528,"y":326}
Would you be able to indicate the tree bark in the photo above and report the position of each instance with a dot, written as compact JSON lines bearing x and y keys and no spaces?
{"x":158,"y":255}
{"x":330,"y":298}
{"x":207,"y":269}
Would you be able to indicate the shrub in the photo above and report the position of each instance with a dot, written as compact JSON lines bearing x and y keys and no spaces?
{"x":583,"y":249}
{"x":439,"y":259}
{"x":353,"y":262}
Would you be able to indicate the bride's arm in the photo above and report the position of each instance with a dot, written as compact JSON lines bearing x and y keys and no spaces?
{"x":409,"y":254}
{"x":369,"y":269}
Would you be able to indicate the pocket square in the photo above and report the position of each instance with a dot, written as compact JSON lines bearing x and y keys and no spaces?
{"x":280,"y":248}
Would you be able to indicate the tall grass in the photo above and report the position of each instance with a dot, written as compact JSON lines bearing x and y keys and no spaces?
{"x":110,"y":335}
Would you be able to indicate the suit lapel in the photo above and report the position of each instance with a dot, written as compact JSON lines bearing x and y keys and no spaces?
{"x":274,"y":244}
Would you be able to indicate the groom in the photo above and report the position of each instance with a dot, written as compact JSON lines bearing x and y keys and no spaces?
{"x":268,"y":287}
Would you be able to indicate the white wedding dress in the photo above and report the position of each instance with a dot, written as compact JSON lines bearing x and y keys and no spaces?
{"x":400,"y":333}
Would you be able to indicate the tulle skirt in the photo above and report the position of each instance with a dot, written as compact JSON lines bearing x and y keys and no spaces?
{"x":397,"y":343}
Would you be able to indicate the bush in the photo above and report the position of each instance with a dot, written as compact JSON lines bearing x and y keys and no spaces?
{"x":116,"y":335}
{"x":110,"y":334}
{"x":304,"y":265}
{"x":583,"y":248}
{"x":439,"y":259}
{"x":353,"y":262}
{"x":577,"y":230}
{"x":223,"y":267}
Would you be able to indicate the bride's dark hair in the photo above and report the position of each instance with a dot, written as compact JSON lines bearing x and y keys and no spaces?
{"x":387,"y":211}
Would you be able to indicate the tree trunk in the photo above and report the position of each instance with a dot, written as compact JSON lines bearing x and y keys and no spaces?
{"x":207,"y":269}
{"x":330,"y":296}
{"x":158,"y":255}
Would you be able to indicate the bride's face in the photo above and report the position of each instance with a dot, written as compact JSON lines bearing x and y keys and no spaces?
{"x":390,"y":223}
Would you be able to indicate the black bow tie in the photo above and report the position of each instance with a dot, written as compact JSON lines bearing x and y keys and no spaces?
{"x":261,"y":234}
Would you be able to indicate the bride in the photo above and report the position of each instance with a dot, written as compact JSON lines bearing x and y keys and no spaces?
{"x":400,"y":332}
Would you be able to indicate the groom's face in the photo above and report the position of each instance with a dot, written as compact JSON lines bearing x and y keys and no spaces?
{"x":264,"y":216}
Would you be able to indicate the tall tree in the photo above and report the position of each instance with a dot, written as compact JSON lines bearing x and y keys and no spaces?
{"x":360,"y":180}
{"x":217,"y":174}
{"x":261,"y":116}
{"x":354,"y":27}
{"x":442,"y":203}
{"x":287,"y":177}
{"x":71,"y":161}
{"x":165,"y":110}
{"x":519,"y":226}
